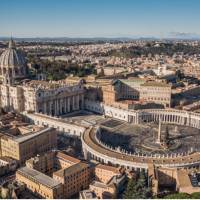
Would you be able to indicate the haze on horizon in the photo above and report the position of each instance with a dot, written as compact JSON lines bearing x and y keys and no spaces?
{"x":99,"y":18}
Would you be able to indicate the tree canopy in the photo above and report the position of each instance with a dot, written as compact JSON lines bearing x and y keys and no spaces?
{"x":137,"y":189}
{"x":151,"y":49}
{"x":195,"y":195}
{"x":57,"y":70}
{"x":177,"y":196}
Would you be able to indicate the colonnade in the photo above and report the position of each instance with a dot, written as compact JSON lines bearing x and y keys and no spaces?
{"x":91,"y":154}
{"x":59,"y":106}
{"x":179,"y":117}
{"x":95,"y":150}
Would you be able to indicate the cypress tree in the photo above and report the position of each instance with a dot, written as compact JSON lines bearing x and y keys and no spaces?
{"x":130,"y":190}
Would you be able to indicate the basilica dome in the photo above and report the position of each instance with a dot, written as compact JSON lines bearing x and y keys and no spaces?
{"x":12,"y":62}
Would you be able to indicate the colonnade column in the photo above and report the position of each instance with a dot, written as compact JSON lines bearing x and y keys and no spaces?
{"x":61,"y":106}
{"x":73,"y":103}
{"x":82,"y":101}
{"x":57,"y":107}
{"x":65,"y":105}
{"x":68,"y":104}
{"x":78,"y":106}
{"x":50,"y":107}
{"x":45,"y":108}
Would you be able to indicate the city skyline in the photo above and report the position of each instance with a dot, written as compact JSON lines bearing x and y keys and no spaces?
{"x":88,"y":18}
{"x":99,"y":99}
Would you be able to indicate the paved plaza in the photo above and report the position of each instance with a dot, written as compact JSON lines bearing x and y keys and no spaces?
{"x":142,"y":138}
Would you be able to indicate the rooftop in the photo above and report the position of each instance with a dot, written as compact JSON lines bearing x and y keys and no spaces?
{"x":47,"y":84}
{"x":67,"y":158}
{"x":71,"y":170}
{"x":39,"y":177}
{"x":6,"y":159}
{"x":88,"y":194}
{"x":108,"y":168}
{"x":29,"y":136}
{"x":99,"y":184}
{"x":133,"y":82}
{"x":117,"y":180}
{"x":9,"y":118}
{"x":157,"y":84}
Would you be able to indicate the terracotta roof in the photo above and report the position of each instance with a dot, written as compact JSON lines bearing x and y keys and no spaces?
{"x":108,"y":168}
{"x":67,"y":158}
{"x":74,"y":169}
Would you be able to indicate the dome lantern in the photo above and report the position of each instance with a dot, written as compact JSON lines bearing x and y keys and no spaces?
{"x":11,"y":44}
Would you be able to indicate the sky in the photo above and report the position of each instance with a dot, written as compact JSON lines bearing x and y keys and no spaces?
{"x":99,"y":18}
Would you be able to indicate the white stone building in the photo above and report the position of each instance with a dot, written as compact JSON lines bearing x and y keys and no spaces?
{"x":20,"y":94}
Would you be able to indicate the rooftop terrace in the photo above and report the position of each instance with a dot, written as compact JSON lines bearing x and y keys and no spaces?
{"x":39,"y":177}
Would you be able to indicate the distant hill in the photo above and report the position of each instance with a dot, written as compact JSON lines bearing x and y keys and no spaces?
{"x":168,"y":36}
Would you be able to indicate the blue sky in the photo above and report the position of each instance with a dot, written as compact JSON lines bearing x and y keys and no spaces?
{"x":94,"y":18}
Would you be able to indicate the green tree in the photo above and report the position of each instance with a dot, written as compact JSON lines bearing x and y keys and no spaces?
{"x":178,"y":196}
{"x":138,"y":189}
{"x":195,"y":195}
{"x":130,"y":190}
{"x":143,"y":191}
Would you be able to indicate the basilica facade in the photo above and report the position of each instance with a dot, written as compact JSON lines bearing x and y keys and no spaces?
{"x":17,"y":93}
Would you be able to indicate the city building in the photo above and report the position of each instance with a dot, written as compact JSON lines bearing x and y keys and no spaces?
{"x":74,"y":178}
{"x":161,"y":177}
{"x":51,"y":161}
{"x":103,"y":191}
{"x":73,"y":174}
{"x":64,"y":126}
{"x":157,"y":92}
{"x":7,"y":165}
{"x":188,"y":181}
{"x":104,"y":173}
{"x":43,"y":163}
{"x":24,"y":146}
{"x":87,"y":194}
{"x":64,"y":161}
{"x":137,"y":89}
{"x":39,"y":183}
{"x":10,"y":163}
{"x":180,"y":180}
{"x":108,"y":183}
